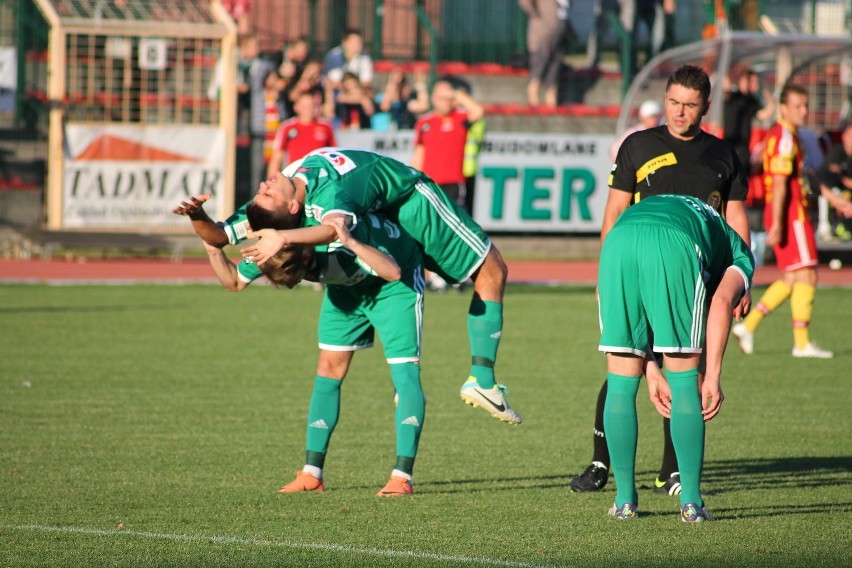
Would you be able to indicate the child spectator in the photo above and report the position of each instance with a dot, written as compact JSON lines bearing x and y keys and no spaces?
{"x":353,"y":107}
{"x":310,"y":81}
{"x":293,"y":63}
{"x":402,"y":102}
{"x":349,"y":56}
{"x":301,"y":134}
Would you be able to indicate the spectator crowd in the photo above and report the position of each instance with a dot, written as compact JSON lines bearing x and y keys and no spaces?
{"x":294,"y":101}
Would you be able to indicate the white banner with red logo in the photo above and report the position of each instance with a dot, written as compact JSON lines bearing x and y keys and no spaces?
{"x":131,"y":176}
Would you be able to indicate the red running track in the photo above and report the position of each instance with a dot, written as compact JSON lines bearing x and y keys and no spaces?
{"x":198,"y":271}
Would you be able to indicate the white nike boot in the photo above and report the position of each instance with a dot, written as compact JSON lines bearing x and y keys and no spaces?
{"x":492,"y":400}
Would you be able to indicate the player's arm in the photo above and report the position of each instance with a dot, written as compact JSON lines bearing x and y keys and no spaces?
{"x":382,"y":264}
{"x":224,"y":269}
{"x":743,"y":262}
{"x":271,"y":241}
{"x":734,"y":208}
{"x":775,"y":232}
{"x":617,"y":201}
{"x":727,"y":297}
{"x":735,"y":215}
{"x":209,"y":231}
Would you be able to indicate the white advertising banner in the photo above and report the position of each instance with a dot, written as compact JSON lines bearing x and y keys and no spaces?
{"x":132,"y":176}
{"x":525,"y":182}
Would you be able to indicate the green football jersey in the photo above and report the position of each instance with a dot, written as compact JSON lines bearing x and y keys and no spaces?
{"x":718,"y":245}
{"x":358,"y":182}
{"x":337,"y":265}
{"x":354,"y":182}
{"x":237,"y":226}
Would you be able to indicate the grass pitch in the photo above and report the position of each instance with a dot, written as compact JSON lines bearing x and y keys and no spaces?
{"x":152,"y":425}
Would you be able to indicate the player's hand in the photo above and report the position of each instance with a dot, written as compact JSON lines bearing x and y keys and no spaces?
{"x":773,"y":236}
{"x":212,"y":249}
{"x":343,"y":234}
{"x":658,"y":389}
{"x":742,"y":308}
{"x":269,"y":243}
{"x":711,"y":398}
{"x":194,"y":205}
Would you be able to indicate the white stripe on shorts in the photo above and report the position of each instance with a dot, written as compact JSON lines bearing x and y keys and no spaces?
{"x":419,"y":287}
{"x":451,"y":219}
{"x":802,"y":243}
{"x":698,"y":312}
{"x":700,"y":295}
{"x":398,"y":360}
{"x":328,"y":347}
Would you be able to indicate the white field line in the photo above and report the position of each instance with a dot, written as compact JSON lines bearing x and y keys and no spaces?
{"x":328,"y":547}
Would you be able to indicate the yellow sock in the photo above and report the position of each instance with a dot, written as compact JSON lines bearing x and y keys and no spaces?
{"x":774,"y":296}
{"x":802,"y":306}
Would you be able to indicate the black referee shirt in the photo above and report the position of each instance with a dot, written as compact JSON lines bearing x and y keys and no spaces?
{"x":653,"y":162}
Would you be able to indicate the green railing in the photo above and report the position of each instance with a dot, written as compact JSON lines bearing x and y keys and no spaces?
{"x":626,"y":43}
{"x":426,"y":24}
{"x":31,"y":35}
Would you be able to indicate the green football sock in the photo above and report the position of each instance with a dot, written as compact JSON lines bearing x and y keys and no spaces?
{"x":404,"y":465}
{"x":622,"y":434}
{"x":322,"y":417}
{"x":484,"y":327}
{"x":410,"y":413}
{"x":687,"y":433}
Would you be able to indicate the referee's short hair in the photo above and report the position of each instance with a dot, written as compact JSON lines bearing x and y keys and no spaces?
{"x":691,"y":77}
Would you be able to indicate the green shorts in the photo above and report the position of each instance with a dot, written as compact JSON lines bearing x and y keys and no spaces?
{"x":651,"y":278}
{"x":350,"y":315}
{"x":454,"y":245}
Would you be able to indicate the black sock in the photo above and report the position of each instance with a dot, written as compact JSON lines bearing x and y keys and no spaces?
{"x":601,"y":453}
{"x":669,"y":465}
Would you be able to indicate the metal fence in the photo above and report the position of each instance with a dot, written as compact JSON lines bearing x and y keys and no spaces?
{"x":471,"y":31}
{"x":117,"y":78}
{"x":106,"y":82}
{"x":122,"y":72}
{"x":493,"y":31}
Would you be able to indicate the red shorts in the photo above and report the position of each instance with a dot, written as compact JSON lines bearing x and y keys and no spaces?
{"x":798,"y":245}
